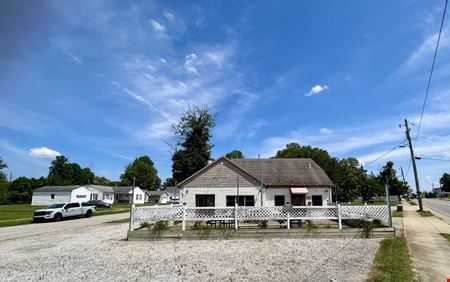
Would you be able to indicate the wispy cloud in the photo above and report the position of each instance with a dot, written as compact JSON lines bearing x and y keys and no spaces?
{"x":157,"y":26}
{"x":325,"y":131}
{"x":169,"y":15}
{"x":43,"y":153}
{"x":316,"y":90}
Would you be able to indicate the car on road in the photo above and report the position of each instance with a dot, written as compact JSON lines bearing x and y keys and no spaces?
{"x":97,"y":204}
{"x":57,"y":212}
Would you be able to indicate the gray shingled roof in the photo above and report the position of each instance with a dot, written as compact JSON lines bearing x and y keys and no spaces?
{"x":290,"y":172}
{"x":122,"y":189}
{"x":104,"y":189}
{"x":68,"y":188}
{"x":173,"y":190}
{"x":155,"y":193}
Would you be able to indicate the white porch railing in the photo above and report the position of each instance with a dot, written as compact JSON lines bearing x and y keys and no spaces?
{"x":184,"y":214}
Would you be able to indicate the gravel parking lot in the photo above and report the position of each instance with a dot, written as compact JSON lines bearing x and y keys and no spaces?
{"x":99,"y":253}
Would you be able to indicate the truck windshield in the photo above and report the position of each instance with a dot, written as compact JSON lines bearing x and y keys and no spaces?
{"x":55,"y":206}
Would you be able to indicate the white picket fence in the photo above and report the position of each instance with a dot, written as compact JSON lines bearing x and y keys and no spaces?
{"x":236,"y":214}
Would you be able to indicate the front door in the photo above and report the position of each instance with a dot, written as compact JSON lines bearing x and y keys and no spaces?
{"x":298,"y":199}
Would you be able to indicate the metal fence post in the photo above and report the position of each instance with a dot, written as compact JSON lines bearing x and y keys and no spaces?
{"x":288,"y":221}
{"x":339,"y":215}
{"x":183,"y":225}
{"x":236,"y":216}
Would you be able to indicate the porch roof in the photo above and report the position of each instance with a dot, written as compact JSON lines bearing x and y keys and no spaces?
{"x":299,"y":190}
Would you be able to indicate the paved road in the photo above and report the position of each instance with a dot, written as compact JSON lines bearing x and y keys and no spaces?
{"x":13,"y":232}
{"x":442,"y":206}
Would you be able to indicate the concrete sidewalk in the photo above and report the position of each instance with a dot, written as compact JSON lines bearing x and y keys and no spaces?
{"x":430,"y":251}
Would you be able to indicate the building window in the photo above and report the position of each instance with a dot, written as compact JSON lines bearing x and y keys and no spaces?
{"x":52,"y":196}
{"x":205,"y":200}
{"x":244,"y":201}
{"x":94,"y":196}
{"x":279,"y":200}
{"x":81,"y":196}
{"x":317,"y":200}
{"x":138,"y":197}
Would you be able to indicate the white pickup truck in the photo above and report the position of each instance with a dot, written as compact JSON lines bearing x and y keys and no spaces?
{"x":57,"y":212}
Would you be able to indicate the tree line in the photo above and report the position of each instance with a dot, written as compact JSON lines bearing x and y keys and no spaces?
{"x":192,"y":152}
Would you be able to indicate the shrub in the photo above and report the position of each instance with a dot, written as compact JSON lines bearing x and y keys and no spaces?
{"x":367,"y":227}
{"x":160,"y":226}
{"x":263,"y":224}
{"x":377,"y":223}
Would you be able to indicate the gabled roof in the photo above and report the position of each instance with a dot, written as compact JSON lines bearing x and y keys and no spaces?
{"x":211,"y":165}
{"x":172,"y":190}
{"x":122,"y":189}
{"x":156,"y":193}
{"x":104,"y":189}
{"x":277,"y":171}
{"x":286,"y":171}
{"x":67,"y":188}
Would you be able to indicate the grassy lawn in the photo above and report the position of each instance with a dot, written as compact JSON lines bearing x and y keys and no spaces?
{"x":392,"y":261}
{"x":125,"y":220}
{"x":11,"y":215}
{"x":376,"y":203}
{"x":425,"y":213}
{"x":397,"y":214}
{"x":445,"y":235}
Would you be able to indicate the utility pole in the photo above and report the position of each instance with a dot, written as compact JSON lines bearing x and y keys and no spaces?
{"x":413,"y":160}
{"x":388,"y":201}
{"x":130,"y":226}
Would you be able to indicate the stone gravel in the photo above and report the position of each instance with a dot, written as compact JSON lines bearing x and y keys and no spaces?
{"x":100,"y":253}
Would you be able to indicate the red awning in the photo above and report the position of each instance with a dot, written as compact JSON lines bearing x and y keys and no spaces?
{"x":299,"y":190}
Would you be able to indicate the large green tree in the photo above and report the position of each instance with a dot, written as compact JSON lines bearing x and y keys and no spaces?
{"x":193,"y":149}
{"x":445,"y":182}
{"x":21,"y":189}
{"x":62,"y":172}
{"x":146,"y":174}
{"x":101,"y":180}
{"x":235,"y":154}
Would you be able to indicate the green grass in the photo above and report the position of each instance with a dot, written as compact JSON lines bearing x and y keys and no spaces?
{"x":412,"y":203}
{"x":397,"y":214}
{"x":392,"y":262}
{"x":445,"y":235}
{"x":8,"y":212}
{"x":376,"y":203}
{"x":425,"y":213}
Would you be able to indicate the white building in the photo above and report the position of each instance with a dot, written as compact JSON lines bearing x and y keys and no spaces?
{"x":124,"y":194}
{"x":159,"y":197}
{"x":258,"y":182}
{"x":48,"y":195}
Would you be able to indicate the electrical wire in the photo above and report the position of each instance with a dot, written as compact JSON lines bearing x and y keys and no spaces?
{"x":385,"y":153}
{"x":433,"y":159}
{"x":431,"y":73}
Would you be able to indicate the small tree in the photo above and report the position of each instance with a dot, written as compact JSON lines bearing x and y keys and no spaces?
{"x":235,"y":154}
{"x":146,"y":174}
{"x":445,"y":182}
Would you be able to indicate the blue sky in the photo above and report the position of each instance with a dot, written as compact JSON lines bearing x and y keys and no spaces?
{"x":102,"y":81}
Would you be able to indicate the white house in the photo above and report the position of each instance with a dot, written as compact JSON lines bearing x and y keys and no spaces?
{"x":123,"y":194}
{"x":48,"y":195}
{"x":258,"y":182}
{"x":72,"y":193}
{"x":174,"y":194}
{"x":160,"y":197}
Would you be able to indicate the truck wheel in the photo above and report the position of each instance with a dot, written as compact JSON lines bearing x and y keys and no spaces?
{"x":88,"y":213}
{"x":57,"y":217}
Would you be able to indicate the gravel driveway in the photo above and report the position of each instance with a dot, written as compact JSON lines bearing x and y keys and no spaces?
{"x":99,"y":253}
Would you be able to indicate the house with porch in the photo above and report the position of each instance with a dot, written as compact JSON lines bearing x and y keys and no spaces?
{"x":257,"y":182}
{"x":124,"y":194}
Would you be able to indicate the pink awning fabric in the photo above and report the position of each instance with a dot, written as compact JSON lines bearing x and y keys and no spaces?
{"x":299,"y":190}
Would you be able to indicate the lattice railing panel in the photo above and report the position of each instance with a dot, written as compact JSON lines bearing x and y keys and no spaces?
{"x":368,"y":212}
{"x":261,"y":213}
{"x":314,"y":213}
{"x":209,"y":213}
{"x":158,"y":213}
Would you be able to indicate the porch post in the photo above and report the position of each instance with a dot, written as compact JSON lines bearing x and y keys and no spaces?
{"x":235,"y":216}
{"x":339,"y":215}
{"x":183,"y":225}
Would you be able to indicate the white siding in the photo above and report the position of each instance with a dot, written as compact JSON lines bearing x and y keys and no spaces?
{"x":81,"y":194}
{"x":44,"y":198}
{"x":270,"y":193}
{"x":325,"y":192}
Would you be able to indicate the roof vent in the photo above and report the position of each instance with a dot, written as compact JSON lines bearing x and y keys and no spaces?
{"x":309,"y":165}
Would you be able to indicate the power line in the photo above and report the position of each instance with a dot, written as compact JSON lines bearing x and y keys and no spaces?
{"x":384,"y":154}
{"x":432,"y":159}
{"x":431,"y":73}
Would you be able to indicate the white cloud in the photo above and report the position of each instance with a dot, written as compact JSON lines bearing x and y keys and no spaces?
{"x":325,"y":131}
{"x":157,"y":26}
{"x":190,"y":62}
{"x":316,"y":90}
{"x":168,"y":15}
{"x":43,"y":153}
